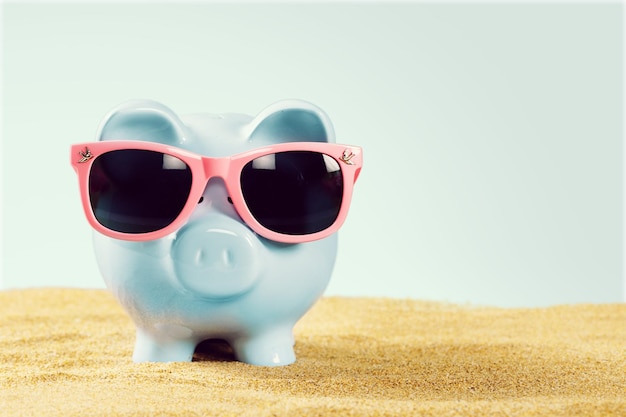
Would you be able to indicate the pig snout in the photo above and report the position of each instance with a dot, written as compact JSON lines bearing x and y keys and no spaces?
{"x":216,"y":257}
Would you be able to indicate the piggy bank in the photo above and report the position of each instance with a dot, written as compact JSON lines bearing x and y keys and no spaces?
{"x":216,"y":226}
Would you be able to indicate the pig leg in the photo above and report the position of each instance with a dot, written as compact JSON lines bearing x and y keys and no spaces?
{"x":273,"y":347}
{"x":160,"y":347}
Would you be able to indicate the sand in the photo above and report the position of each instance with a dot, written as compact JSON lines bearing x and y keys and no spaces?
{"x":67,"y":352}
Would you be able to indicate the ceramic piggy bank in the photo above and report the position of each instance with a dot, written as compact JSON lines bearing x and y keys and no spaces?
{"x":216,"y":226}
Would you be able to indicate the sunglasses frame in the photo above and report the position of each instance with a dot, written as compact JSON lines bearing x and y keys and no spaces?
{"x":203,"y":168}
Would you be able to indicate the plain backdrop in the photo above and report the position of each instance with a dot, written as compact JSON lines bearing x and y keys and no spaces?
{"x":492,"y":133}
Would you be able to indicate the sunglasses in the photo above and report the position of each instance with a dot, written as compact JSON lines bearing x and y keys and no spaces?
{"x":291,"y":192}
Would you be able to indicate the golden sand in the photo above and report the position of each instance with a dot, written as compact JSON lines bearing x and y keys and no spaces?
{"x":67,"y":352}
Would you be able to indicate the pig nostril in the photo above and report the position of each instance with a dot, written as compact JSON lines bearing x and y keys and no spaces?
{"x":199,"y":257}
{"x":227,"y":258}
{"x":201,"y":200}
{"x":230,"y":200}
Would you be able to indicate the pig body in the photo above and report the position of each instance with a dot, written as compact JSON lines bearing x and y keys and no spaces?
{"x":215,"y":277}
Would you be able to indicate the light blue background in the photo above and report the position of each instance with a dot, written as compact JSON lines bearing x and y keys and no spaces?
{"x":492,"y":132}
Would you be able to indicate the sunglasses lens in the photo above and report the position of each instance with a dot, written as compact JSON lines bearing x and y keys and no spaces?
{"x":295,"y":192}
{"x":138,"y":191}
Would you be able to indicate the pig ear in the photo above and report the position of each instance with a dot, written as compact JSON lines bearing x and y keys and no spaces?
{"x":291,"y":121}
{"x":145,"y":120}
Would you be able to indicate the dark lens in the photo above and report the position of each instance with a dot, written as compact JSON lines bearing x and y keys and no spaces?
{"x":295,"y":193}
{"x":138,"y":191}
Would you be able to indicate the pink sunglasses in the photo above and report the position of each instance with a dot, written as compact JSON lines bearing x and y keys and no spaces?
{"x":291,"y":192}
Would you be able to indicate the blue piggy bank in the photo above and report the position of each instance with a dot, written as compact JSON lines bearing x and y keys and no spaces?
{"x":216,"y":226}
